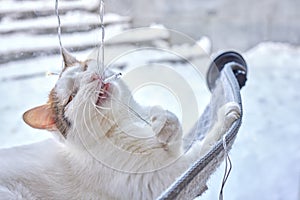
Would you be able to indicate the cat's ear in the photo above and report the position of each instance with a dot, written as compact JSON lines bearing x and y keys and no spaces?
{"x":40,"y":117}
{"x":69,"y":60}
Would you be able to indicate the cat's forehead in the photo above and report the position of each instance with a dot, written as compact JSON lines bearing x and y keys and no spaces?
{"x":71,"y":71}
{"x":86,"y":66}
{"x":91,"y":65}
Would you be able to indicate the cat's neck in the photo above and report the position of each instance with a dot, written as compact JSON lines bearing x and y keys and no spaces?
{"x":123,"y":152}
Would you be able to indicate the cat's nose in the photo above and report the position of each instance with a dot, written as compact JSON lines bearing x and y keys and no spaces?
{"x":95,"y":77}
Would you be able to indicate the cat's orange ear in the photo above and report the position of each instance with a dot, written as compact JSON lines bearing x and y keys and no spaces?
{"x":40,"y":117}
{"x":69,"y":60}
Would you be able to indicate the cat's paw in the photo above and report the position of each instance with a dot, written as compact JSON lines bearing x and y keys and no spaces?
{"x":228,"y":114}
{"x":165,"y":125}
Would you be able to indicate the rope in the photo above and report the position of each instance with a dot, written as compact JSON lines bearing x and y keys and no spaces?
{"x":59,"y":31}
{"x":59,"y":25}
{"x":100,"y":56}
{"x":228,"y":167}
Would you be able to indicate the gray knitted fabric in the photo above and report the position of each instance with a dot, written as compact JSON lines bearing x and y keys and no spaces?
{"x":193,"y":182}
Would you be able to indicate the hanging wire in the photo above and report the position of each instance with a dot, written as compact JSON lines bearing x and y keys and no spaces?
{"x":228,"y":167}
{"x":100,"y":48}
{"x":59,"y":26}
{"x":100,"y":55}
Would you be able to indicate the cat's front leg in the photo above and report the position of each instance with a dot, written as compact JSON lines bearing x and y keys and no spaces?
{"x":227,"y":114}
{"x":165,"y":125}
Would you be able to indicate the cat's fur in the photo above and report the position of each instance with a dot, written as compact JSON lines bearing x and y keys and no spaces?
{"x":107,"y":152}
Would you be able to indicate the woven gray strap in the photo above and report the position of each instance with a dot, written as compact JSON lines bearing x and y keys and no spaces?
{"x":192,"y":183}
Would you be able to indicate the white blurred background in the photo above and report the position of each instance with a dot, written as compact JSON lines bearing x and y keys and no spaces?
{"x":266,"y":153}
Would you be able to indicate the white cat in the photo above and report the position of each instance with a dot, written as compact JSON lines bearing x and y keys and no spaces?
{"x":110,"y":147}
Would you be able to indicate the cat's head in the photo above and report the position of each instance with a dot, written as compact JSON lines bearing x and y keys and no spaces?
{"x":81,"y":96}
{"x":96,"y":113}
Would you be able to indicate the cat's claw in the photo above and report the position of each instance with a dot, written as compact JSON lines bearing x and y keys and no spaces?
{"x":229,"y":113}
{"x":158,"y":119}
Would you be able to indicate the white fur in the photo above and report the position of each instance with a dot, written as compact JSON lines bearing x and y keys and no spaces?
{"x":109,"y":153}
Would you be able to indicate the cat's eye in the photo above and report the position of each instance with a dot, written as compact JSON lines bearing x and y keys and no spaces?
{"x":85,"y":67}
{"x":70,"y":98}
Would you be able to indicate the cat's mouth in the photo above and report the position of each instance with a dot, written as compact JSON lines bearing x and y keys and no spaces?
{"x":103,"y":94}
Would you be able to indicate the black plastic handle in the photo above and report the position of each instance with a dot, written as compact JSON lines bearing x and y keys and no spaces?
{"x":239,"y":67}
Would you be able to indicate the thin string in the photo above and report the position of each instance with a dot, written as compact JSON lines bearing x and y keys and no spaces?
{"x":100,"y":55}
{"x":125,"y":105}
{"x":59,"y":26}
{"x":59,"y":31}
{"x":131,"y":110}
{"x":100,"y":60}
{"x":228,"y":167}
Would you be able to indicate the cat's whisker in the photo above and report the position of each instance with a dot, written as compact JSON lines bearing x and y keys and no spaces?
{"x":104,"y":108}
{"x":84,"y":117}
{"x":99,"y":111}
{"x":130,"y":109}
{"x":102,"y":91}
{"x":76,"y":109}
{"x":52,"y":73}
{"x":93,"y":115}
{"x":104,"y":116}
